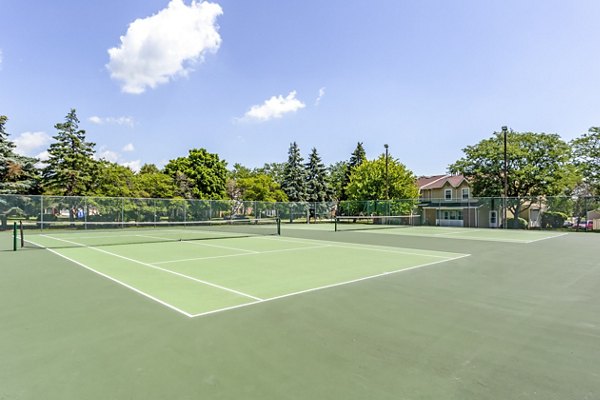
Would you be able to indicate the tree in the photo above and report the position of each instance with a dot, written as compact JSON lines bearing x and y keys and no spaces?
{"x":151,"y":183}
{"x":294,"y":175}
{"x":201,"y":174}
{"x":317,"y":182}
{"x":586,"y":153}
{"x":337,"y":177}
{"x":148,"y":169}
{"x":539,"y":164}
{"x":357,"y":157}
{"x":274,"y":170}
{"x":114,"y":180}
{"x":260,"y":187}
{"x":18,"y":174}
{"x":70,"y":167}
{"x":368,"y":181}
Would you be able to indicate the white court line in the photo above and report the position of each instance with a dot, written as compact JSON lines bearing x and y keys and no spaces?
{"x":172,"y":307}
{"x":547,"y":237}
{"x":442,"y":235}
{"x":359,"y":246}
{"x":328,"y":286}
{"x":257,"y":299}
{"x":240,"y":255}
{"x":448,"y":233}
{"x":199,"y":243}
{"x":160,"y":269}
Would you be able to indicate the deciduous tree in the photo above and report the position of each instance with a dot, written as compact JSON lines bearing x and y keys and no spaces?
{"x":539,"y":164}
{"x":204,"y":171}
{"x":586,"y":153}
{"x":368,"y":181}
{"x":357,"y":157}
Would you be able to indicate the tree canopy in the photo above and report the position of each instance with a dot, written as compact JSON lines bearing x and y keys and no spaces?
{"x":18,"y":174}
{"x":70,"y":166}
{"x":317,"y":181}
{"x":538,"y":164}
{"x":586,"y":152}
{"x":357,"y":157}
{"x":294,"y":175}
{"x":368,"y":181}
{"x":201,"y":175}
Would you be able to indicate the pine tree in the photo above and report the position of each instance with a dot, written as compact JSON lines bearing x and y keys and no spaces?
{"x":18,"y":174}
{"x":294,"y":175}
{"x":357,"y":157}
{"x":70,"y":167}
{"x":317,"y":182}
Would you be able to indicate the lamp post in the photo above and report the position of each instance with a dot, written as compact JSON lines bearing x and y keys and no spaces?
{"x":387,"y":183}
{"x":505,"y":193}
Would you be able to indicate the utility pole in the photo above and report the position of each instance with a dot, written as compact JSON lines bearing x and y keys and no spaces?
{"x":505,"y":195}
{"x":387,"y":182}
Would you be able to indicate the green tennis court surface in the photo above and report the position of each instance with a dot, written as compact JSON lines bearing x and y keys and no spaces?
{"x":310,"y":314}
{"x":199,"y":277}
{"x":493,"y":235}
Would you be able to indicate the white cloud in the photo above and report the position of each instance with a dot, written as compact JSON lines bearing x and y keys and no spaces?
{"x":165,"y":45}
{"x":108,"y":155}
{"x":26,"y":142}
{"x":135,"y":165}
{"x":128,"y":147}
{"x":127,"y":121}
{"x":115,"y":157}
{"x":320,"y":96}
{"x":43,"y":157}
{"x":275,"y":107}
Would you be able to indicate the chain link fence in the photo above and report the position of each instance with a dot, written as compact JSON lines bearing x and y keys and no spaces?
{"x":43,"y":212}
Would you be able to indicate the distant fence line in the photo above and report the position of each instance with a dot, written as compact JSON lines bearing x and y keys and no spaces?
{"x":533,"y":212}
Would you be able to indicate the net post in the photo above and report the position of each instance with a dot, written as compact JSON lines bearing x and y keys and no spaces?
{"x":335,"y":222}
{"x":278,"y":226}
{"x":21,"y":232}
{"x":14,"y":236}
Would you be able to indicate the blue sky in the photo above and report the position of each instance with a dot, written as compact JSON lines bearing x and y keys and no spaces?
{"x":246,"y":78}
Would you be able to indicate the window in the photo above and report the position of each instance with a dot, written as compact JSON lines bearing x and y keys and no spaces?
{"x":450,"y":215}
{"x":465,"y":193}
{"x":448,"y":194}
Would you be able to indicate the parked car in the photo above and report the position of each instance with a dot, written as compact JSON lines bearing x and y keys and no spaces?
{"x":585,"y":225}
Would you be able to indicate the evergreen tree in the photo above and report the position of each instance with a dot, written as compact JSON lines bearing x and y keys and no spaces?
{"x":317,"y":182}
{"x":357,"y":157}
{"x":294,"y":175}
{"x":70,"y":167}
{"x":18,"y":174}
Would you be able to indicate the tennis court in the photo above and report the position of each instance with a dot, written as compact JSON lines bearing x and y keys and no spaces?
{"x":493,"y":235}
{"x":377,"y":314}
{"x":196,"y":277}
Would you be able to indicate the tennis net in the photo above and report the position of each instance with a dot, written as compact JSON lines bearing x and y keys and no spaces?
{"x":361,"y":222}
{"x":60,"y":235}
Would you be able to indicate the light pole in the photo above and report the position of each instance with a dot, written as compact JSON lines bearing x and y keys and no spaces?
{"x":387,"y":183}
{"x":505,"y":194}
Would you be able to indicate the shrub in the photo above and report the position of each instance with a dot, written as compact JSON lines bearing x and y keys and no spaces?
{"x":553,"y":219}
{"x":522,"y":223}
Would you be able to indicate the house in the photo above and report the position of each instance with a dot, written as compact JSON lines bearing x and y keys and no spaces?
{"x":447,"y":200}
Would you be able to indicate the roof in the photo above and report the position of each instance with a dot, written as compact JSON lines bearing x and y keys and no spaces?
{"x":439,"y":181}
